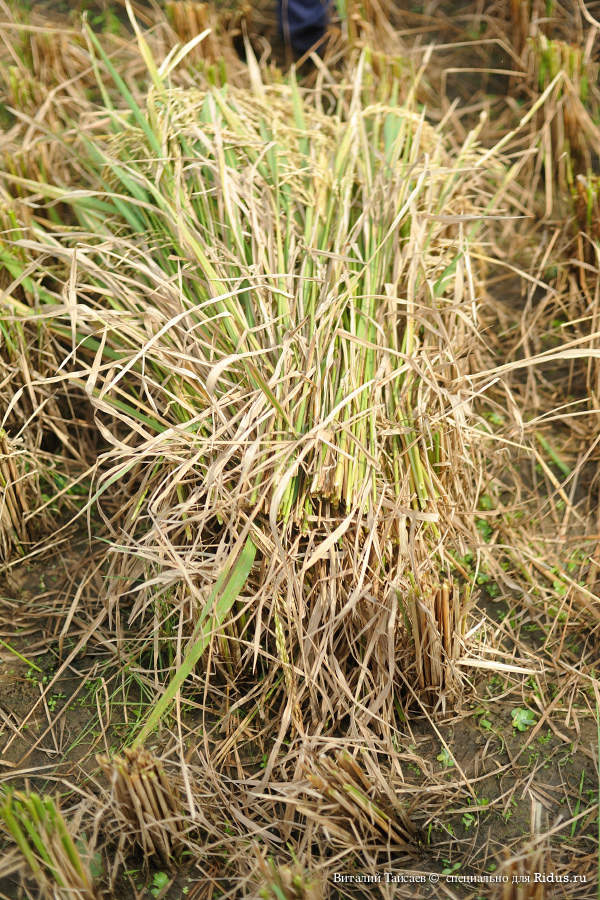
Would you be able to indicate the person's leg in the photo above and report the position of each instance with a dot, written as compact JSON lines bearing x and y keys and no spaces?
{"x":303,"y":23}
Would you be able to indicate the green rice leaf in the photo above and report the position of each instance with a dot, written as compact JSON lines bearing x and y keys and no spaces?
{"x":220,"y":602}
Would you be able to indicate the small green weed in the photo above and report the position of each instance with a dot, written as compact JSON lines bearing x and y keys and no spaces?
{"x":445,"y":758}
{"x":450,"y":867}
{"x":468,"y":820}
{"x":522,"y":719}
{"x":160,"y":880}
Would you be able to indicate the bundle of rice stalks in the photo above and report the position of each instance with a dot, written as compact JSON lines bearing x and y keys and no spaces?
{"x":573,"y":301}
{"x":437,"y":618}
{"x":49,"y":849}
{"x":189,"y":18}
{"x":524,"y":17}
{"x":527,"y":20}
{"x":272,"y":313}
{"x":54,"y":57}
{"x":47,"y":78}
{"x":42,"y":160}
{"x":352,"y":810}
{"x":369,"y":23}
{"x":22,"y":90}
{"x":555,"y":48}
{"x":364,"y":335}
{"x":15,"y":221}
{"x":47,"y":72}
{"x":571,"y":114}
{"x":393,"y":71}
{"x":225,"y":28}
{"x":15,"y":464}
{"x":146,"y":804}
{"x":579,"y":282}
{"x":38,"y":448}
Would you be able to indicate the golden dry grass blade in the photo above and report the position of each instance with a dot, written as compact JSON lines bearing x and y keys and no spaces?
{"x":147,"y":805}
{"x":352,"y":809}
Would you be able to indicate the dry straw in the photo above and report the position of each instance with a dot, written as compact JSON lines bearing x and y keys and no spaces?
{"x":270,"y":313}
{"x":287,"y":882}
{"x":351,"y":809}
{"x":520,"y":871}
{"x":147,"y":805}
{"x":226,"y":24}
{"x":14,"y":504}
{"x":438,"y":617}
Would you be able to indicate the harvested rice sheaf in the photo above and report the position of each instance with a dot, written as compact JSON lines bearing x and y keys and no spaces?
{"x":147,"y":805}
{"x":316,"y":281}
{"x":274,"y":315}
{"x":54,"y":857}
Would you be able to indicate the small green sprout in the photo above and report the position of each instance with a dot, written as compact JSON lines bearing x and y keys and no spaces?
{"x":445,"y":758}
{"x":522,"y":719}
{"x":483,"y":721}
{"x":485,"y":529}
{"x":159,"y":882}
{"x":468,"y":820}
{"x":450,"y":868}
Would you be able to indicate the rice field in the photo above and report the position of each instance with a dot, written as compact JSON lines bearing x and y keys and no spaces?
{"x":299,"y":446}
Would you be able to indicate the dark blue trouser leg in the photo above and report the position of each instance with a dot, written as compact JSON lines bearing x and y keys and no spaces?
{"x":303,"y":22}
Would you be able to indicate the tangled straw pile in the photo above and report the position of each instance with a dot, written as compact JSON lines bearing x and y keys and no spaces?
{"x":271,"y":312}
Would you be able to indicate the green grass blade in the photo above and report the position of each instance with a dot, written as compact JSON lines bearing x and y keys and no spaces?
{"x":138,"y":115}
{"x":222,"y":598}
{"x":12,"y":825}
